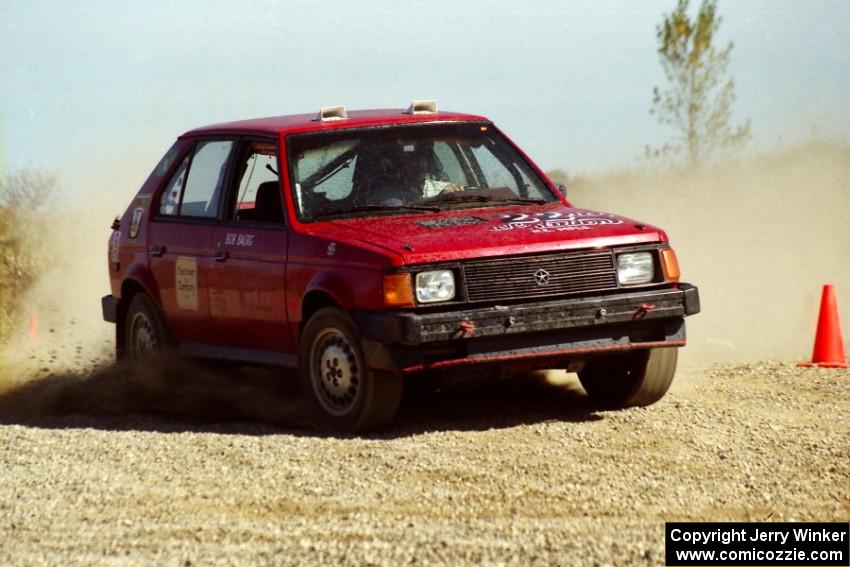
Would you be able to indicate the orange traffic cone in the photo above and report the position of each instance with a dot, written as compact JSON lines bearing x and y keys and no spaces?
{"x":34,"y":329}
{"x":829,"y":348}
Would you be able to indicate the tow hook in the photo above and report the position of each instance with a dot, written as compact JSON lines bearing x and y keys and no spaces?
{"x":641,"y":311}
{"x":465,"y":329}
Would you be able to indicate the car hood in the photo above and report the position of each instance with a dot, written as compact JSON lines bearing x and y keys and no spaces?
{"x":494,"y":231}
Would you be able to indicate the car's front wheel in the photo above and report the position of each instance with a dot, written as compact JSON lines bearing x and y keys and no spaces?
{"x":639,"y":378}
{"x":345,"y":395}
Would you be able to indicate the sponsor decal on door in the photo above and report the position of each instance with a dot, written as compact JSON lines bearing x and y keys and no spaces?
{"x":186,"y":269}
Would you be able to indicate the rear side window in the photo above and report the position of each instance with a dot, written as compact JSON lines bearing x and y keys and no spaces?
{"x":195,"y":189}
{"x":206,"y":179}
{"x":169,"y":203}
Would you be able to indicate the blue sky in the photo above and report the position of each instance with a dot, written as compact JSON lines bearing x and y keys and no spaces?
{"x":94,"y":83}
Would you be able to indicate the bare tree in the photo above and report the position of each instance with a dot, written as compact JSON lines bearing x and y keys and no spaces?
{"x":697,"y":103}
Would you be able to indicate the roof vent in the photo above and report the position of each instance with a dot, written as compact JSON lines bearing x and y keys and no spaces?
{"x":422,"y":107}
{"x":331,"y":113}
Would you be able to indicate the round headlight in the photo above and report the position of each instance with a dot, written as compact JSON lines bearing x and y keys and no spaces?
{"x":438,"y":285}
{"x":635,"y":268}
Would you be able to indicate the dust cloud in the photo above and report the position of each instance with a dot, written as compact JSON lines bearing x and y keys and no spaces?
{"x":759,"y":237}
{"x":61,"y":360}
{"x":61,"y":328}
{"x":166,"y":385}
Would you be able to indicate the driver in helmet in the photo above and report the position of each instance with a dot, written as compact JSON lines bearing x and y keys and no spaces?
{"x":419,"y":173}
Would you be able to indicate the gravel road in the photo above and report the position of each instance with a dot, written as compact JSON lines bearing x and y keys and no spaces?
{"x":114,"y":468}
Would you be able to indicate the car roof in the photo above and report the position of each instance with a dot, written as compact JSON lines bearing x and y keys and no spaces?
{"x":293,"y":123}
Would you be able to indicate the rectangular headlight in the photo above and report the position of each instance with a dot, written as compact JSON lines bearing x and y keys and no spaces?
{"x":438,"y":285}
{"x":635,"y":268}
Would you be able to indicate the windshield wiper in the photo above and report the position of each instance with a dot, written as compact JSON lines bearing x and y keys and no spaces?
{"x":379,"y":208}
{"x":461,"y":198}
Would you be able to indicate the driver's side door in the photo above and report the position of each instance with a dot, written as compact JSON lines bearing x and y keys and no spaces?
{"x":247,"y":280}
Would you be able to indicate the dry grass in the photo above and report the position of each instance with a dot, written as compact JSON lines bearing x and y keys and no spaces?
{"x":24,"y":198}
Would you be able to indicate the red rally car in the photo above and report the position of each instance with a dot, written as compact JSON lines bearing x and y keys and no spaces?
{"x":364,"y":247}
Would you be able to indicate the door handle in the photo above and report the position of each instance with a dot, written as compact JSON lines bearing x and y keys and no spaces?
{"x":157,"y":251}
{"x":221,"y":256}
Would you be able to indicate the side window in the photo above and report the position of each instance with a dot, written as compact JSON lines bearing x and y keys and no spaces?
{"x":258,"y":197}
{"x":169,"y":202}
{"x":206,"y":179}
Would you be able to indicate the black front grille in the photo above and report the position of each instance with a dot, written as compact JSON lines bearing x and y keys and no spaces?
{"x":545,"y":275}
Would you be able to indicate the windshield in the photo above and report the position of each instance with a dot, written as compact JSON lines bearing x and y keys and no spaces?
{"x":408,"y":169}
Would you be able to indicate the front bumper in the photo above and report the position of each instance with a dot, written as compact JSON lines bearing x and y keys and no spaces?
{"x":561,"y":328}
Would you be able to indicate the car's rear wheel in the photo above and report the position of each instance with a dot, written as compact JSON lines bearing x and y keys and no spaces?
{"x":639,"y":378}
{"x":145,"y":332}
{"x":345,"y":395}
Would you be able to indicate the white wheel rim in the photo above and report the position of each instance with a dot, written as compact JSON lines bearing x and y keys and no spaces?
{"x":335,"y":372}
{"x":143,"y":337}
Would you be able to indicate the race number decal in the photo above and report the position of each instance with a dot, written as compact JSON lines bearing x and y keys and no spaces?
{"x":138,"y":213}
{"x":186,"y":271}
{"x":555,"y":222}
{"x":142,"y":204}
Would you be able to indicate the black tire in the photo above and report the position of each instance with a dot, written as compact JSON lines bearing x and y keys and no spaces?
{"x":344,"y":394}
{"x":640,"y":378}
{"x":145,"y":332}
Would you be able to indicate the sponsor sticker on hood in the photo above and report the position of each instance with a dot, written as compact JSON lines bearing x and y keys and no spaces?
{"x":554,"y":221}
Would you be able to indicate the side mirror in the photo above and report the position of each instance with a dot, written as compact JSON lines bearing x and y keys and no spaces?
{"x":562,"y":188}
